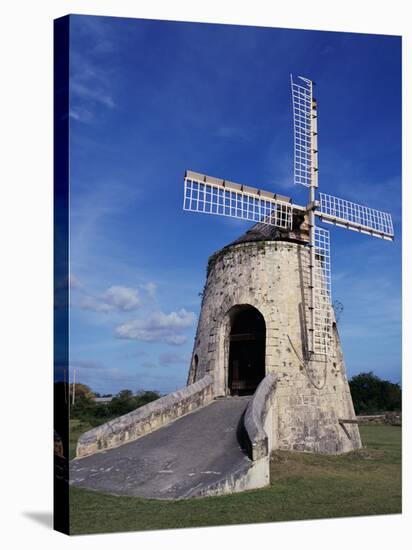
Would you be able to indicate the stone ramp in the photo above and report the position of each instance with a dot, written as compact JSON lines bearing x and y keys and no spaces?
{"x":188,"y":457}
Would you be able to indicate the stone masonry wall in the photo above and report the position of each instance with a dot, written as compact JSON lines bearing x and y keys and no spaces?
{"x":146,"y":419}
{"x":258,"y":441}
{"x":272,"y":276}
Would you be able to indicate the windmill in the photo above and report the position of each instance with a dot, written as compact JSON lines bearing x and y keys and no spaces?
{"x":209,"y":195}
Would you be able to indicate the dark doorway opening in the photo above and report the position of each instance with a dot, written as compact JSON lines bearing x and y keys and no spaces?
{"x":246,"y":351}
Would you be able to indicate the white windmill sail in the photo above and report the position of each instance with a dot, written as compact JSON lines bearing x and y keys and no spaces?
{"x":356,"y":217}
{"x":210,"y":195}
{"x":302,"y":125}
{"x":322,"y":329}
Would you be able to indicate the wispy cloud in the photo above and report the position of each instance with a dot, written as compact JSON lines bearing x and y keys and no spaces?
{"x":87,"y":371}
{"x":91,"y":82}
{"x":89,"y":92}
{"x":98,"y":34}
{"x":115,"y":298}
{"x":176,"y":339}
{"x":173,"y":358}
{"x":136,"y":354}
{"x":233,"y":133}
{"x":99,"y":377}
{"x":81,"y":114}
{"x":88,"y":365}
{"x":278,"y":170}
{"x":151,"y":289}
{"x":159,"y":327}
{"x":94,"y":205}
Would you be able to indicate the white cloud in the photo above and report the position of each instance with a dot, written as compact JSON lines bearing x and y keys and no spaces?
{"x":81,"y":114}
{"x":122,"y":297}
{"x":176,"y":339}
{"x":151,"y":289}
{"x":92,"y":303}
{"x":91,"y":87}
{"x":158,"y":327}
{"x":92,"y":93}
{"x":115,"y":298}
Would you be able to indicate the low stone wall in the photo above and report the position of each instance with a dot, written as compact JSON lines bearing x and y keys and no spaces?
{"x":146,"y":419}
{"x":254,"y":475}
{"x":257,"y":439}
{"x":395,"y":419}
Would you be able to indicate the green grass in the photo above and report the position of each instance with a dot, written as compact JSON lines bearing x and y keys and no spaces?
{"x":303,"y":486}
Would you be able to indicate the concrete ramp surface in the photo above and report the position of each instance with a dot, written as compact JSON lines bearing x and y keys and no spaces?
{"x":189,"y":457}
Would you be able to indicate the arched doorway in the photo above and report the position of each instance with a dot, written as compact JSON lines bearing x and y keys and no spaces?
{"x":246,"y":350}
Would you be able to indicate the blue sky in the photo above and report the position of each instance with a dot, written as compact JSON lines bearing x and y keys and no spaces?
{"x":150,"y":99}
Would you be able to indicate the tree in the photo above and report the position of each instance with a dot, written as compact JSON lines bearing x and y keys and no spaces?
{"x":144,"y":397}
{"x":371,"y":394}
{"x":81,"y":391}
{"x":122,"y":403}
{"x":86,"y":409}
{"x":84,"y":404}
{"x":125,"y":395}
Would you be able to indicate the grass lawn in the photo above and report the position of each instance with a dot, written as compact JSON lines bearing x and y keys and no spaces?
{"x":303,"y":486}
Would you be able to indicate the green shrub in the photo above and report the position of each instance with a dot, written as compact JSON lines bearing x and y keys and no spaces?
{"x":372,"y":395}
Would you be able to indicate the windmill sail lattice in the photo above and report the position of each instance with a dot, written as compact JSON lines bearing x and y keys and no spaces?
{"x":213,"y":196}
{"x":323,"y":294}
{"x":302,"y":122}
{"x":355,"y":217}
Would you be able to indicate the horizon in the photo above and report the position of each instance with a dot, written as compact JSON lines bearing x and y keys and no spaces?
{"x":135,"y":392}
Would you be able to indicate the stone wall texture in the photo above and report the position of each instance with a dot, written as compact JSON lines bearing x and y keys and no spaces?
{"x":258,"y":441}
{"x":273,"y":277}
{"x":146,"y":419}
{"x":392,"y":418}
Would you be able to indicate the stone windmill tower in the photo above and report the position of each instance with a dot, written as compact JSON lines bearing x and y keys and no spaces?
{"x":266,"y":307}
{"x":252,"y":323}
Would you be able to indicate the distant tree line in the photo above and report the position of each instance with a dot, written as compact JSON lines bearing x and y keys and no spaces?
{"x":372,"y":395}
{"x":86,"y":409}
